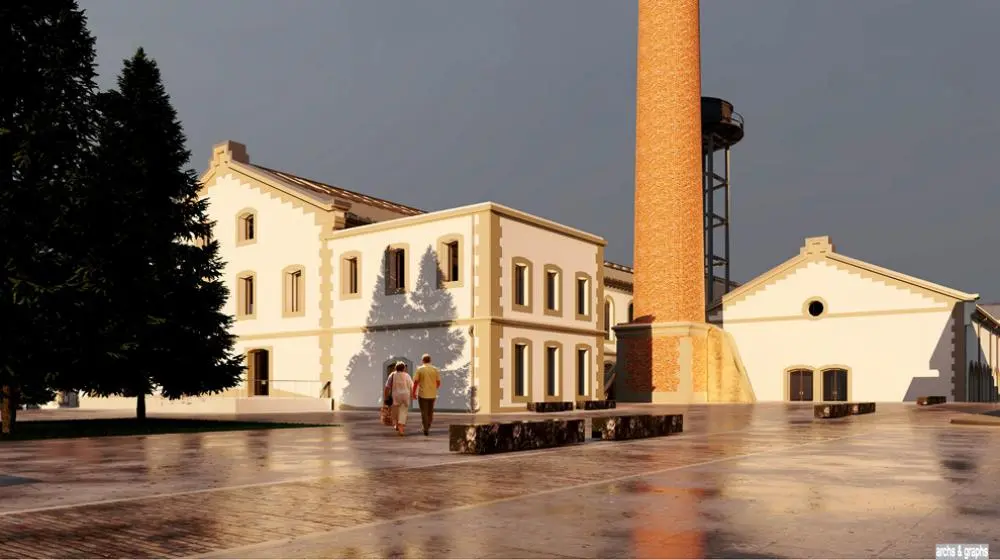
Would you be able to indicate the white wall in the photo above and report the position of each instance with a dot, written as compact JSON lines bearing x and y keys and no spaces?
{"x":359,"y":363}
{"x":843,"y":291}
{"x":295,"y":365}
{"x":897,"y":342}
{"x":543,"y":247}
{"x":414,"y":306}
{"x":567,"y":383}
{"x":285,"y":236}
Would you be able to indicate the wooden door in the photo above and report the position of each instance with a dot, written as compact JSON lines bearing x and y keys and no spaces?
{"x":800,"y":385}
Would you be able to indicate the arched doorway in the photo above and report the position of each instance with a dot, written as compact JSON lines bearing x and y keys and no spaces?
{"x":835,"y":385}
{"x":259,"y":372}
{"x":800,"y":385}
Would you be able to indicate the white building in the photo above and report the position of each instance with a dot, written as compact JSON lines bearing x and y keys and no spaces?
{"x":329,"y":287}
{"x":823,"y":326}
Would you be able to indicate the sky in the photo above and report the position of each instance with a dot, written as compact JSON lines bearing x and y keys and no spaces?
{"x":871,"y":122}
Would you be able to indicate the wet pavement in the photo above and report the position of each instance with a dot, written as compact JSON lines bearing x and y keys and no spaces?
{"x":742,"y":481}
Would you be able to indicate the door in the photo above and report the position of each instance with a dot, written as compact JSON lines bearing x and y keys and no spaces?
{"x":835,"y":385}
{"x":259,"y":372}
{"x":800,"y":385}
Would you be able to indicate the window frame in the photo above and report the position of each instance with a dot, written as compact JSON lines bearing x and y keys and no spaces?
{"x":395,"y":288}
{"x":245,"y":298}
{"x":551,"y":269}
{"x":445,"y":280}
{"x":242,"y":217}
{"x":588,"y":299}
{"x":518,"y":264}
{"x":296,"y":308}
{"x":526,"y":374}
{"x":345,"y":275}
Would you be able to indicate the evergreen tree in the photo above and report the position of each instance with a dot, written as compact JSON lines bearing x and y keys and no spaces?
{"x":46,"y":128}
{"x":158,"y":283}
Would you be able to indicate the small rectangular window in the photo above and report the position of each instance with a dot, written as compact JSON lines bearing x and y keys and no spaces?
{"x":582,"y":370}
{"x":248,"y":302}
{"x":551,"y":290}
{"x":293,"y":292}
{"x":551,"y":370}
{"x":352,"y":275}
{"x":521,"y":284}
{"x":581,"y":296}
{"x":395,"y":277}
{"x":451,"y":262}
{"x":607,"y":320}
{"x":520,"y":370}
{"x":400,"y":259}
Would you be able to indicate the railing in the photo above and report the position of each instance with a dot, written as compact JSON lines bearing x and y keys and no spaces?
{"x":289,"y":388}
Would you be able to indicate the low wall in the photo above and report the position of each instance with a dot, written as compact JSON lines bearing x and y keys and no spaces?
{"x":501,"y":437}
{"x":212,"y":405}
{"x":616,"y":428}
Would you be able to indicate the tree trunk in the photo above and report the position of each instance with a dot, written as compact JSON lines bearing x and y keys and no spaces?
{"x":9,"y":400}
{"x":140,"y":406}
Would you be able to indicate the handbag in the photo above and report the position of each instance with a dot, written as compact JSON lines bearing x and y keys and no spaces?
{"x":387,"y":399}
{"x":385,"y":416}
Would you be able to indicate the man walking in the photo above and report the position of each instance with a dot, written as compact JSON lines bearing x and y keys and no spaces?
{"x":426,"y":382}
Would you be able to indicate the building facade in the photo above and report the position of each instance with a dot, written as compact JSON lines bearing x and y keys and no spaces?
{"x":825,"y":327}
{"x":329,"y":287}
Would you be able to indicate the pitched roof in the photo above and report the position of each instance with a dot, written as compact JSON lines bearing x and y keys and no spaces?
{"x":823,"y":248}
{"x":331,"y":190}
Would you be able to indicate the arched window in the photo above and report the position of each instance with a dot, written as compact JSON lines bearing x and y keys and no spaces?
{"x":246,"y":227}
{"x":609,"y":319}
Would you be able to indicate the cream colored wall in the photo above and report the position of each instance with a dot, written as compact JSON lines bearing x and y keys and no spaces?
{"x":843,"y":291}
{"x":620,"y":301}
{"x":542,"y":247}
{"x":897,"y":343}
{"x":295,"y":365}
{"x":359,"y":363}
{"x":285,"y":236}
{"x":401,"y":308}
{"x":538,"y":338}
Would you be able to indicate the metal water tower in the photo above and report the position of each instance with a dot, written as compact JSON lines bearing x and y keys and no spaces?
{"x":721,"y":129}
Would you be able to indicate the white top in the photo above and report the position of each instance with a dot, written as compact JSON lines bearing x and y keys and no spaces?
{"x":401,"y":385}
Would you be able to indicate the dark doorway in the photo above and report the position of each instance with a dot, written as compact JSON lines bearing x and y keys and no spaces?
{"x":260,"y":372}
{"x":800,"y":385}
{"x":609,"y":389}
{"x":835,"y":385}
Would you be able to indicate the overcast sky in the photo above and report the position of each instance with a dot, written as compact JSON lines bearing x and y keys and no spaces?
{"x":871,"y":122}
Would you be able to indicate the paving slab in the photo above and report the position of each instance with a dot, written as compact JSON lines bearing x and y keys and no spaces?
{"x":760,"y":481}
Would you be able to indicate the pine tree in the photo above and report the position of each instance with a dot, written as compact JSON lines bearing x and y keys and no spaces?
{"x":159,"y":282}
{"x":46,"y":128}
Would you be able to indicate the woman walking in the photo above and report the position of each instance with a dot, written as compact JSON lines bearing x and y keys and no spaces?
{"x":399,"y":386}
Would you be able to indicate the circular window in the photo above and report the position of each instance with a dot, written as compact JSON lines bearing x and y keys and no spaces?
{"x":816,"y":308}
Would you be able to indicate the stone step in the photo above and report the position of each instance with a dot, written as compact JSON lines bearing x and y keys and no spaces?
{"x":616,"y":428}
{"x":596,"y":405}
{"x":840,"y":410}
{"x":503,"y":437}
{"x":550,"y":406}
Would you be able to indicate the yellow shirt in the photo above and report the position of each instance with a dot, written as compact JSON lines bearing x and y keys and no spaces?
{"x":428,"y":377}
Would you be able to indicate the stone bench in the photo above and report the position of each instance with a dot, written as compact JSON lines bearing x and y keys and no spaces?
{"x":839,"y":410}
{"x":616,"y":428}
{"x":502,"y":437}
{"x":595,"y":405}
{"x":927,"y":401}
{"x":550,"y":406}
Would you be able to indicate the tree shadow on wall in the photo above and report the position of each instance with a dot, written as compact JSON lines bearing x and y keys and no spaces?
{"x":393,"y":334}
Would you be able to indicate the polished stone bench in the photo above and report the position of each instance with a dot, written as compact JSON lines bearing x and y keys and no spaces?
{"x":502,"y":437}
{"x":595,"y":405}
{"x":616,"y":428}
{"x":550,"y":406}
{"x":927,"y":401}
{"x":839,"y":410}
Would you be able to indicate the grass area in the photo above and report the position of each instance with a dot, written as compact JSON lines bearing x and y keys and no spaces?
{"x":102,"y":427}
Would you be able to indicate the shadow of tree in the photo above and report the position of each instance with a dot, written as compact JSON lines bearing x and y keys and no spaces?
{"x":403,"y":327}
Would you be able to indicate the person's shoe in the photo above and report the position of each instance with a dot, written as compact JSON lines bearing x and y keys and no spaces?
{"x":427,"y":432}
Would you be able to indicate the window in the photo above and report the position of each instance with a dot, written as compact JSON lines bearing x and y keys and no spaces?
{"x":521,"y":370}
{"x":246,"y":227}
{"x":397,"y":270}
{"x":609,"y":314}
{"x":553,"y":295}
{"x":246,"y":295}
{"x":582,"y":371}
{"x":294,"y":288}
{"x":552,"y":370}
{"x":521,"y":288}
{"x":631,"y":313}
{"x":449,"y":256}
{"x":350,"y":275}
{"x":815,"y":307}
{"x":583,"y":297}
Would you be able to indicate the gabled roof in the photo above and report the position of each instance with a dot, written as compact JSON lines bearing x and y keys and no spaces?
{"x":821,"y":248}
{"x":233,"y":156}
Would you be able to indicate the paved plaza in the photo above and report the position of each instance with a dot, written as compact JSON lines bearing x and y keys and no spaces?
{"x":742,"y":481}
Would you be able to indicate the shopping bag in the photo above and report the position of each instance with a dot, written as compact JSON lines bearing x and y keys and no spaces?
{"x":385,"y":415}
